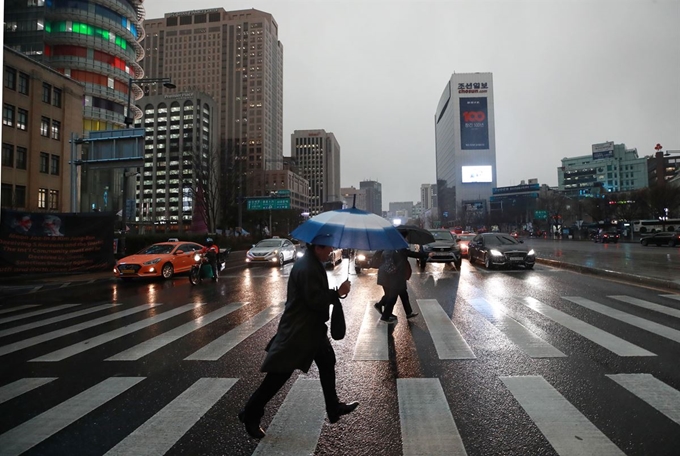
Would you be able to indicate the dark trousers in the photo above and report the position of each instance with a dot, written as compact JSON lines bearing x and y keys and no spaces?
{"x":389,"y":300}
{"x":274,"y":381}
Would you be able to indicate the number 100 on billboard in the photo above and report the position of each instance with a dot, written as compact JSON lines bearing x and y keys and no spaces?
{"x":474,"y":124}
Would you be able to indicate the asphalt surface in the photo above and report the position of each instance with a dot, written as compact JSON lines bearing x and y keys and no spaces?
{"x":626,"y":261}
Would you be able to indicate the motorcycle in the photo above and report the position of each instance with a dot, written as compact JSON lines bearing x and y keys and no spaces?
{"x":202,"y":268}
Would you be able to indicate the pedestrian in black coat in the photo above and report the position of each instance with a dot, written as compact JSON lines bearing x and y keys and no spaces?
{"x":302,"y":337}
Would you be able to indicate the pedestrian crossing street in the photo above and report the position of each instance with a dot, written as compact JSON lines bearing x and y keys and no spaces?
{"x":425,"y":415}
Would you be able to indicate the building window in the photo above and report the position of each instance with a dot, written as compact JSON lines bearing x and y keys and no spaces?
{"x":22,"y":119}
{"x":7,"y":155}
{"x":54,"y":200}
{"x":56,"y":129}
{"x":54,"y":165}
{"x":23,"y":83}
{"x":44,"y":127}
{"x":20,"y":196}
{"x":6,"y":196}
{"x":44,"y":162}
{"x":8,"y":115}
{"x":22,"y":158}
{"x":47,"y":93}
{"x":10,"y":78}
{"x":42,"y":198}
{"x":56,"y":97}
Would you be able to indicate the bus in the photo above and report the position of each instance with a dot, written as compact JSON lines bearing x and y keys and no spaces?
{"x":653,"y":226}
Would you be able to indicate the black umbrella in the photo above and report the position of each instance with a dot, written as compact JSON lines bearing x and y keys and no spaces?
{"x":416,"y":235}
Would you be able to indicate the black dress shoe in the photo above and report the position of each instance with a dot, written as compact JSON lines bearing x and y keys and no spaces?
{"x":342,"y":409}
{"x":252,"y":427}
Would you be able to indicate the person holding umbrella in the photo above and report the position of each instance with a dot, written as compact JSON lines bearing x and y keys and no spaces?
{"x":302,"y":337}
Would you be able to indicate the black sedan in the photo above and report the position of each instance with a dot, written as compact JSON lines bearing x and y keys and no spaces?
{"x":500,"y":249}
{"x":671,"y":238}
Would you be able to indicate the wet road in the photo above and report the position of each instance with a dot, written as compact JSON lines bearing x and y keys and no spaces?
{"x":539,"y":362}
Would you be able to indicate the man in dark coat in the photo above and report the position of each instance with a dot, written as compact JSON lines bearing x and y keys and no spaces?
{"x":302,"y":337}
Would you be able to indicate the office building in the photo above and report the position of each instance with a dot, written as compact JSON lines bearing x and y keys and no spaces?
{"x":402,"y":210}
{"x":41,"y":107}
{"x":237,"y":59}
{"x":317,"y":154}
{"x":95,"y":43}
{"x":373,"y":196}
{"x":465,"y":148}
{"x":428,"y":196}
{"x":352,"y":196}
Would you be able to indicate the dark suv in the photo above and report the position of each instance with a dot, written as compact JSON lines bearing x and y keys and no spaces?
{"x":444,"y":248}
{"x":606,"y":237}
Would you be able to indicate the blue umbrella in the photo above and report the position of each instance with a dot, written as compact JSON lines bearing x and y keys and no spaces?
{"x":350,"y":229}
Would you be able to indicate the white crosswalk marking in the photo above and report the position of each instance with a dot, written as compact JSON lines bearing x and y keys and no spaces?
{"x":22,"y":386}
{"x":296,"y":426}
{"x":220,"y":346}
{"x":653,"y":391}
{"x":85,"y":345}
{"x":36,"y":313}
{"x":14,"y":309}
{"x":164,"y":339}
{"x":604,"y":339}
{"x":32,"y":432}
{"x":165,"y":428}
{"x":371,"y":344}
{"x":648,"y":305}
{"x":72,"y":329}
{"x":427,"y":426}
{"x":567,"y":430}
{"x":49,"y":321}
{"x":671,"y":296}
{"x":655,"y":328}
{"x":447,"y":340}
{"x":525,"y":340}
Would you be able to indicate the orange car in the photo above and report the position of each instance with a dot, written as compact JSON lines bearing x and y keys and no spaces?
{"x":164,"y":259}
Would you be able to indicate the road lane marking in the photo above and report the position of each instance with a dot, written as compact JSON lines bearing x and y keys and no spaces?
{"x":64,"y":285}
{"x":32,"y":432}
{"x":655,"y":328}
{"x":427,"y":425}
{"x":158,"y":434}
{"x":447,"y":339}
{"x":296,"y":427}
{"x":671,"y":296}
{"x":602,"y":338}
{"x":648,"y":305}
{"x":22,"y":386}
{"x":71,"y":350}
{"x":14,"y":309}
{"x":151,"y":345}
{"x":567,"y":430}
{"x":525,"y":340}
{"x":49,"y":321}
{"x":371,"y":342}
{"x":220,"y":346}
{"x":36,"y":313}
{"x":73,"y":329}
{"x":653,"y":391}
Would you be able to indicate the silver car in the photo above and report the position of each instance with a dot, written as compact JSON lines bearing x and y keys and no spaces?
{"x":274,"y":251}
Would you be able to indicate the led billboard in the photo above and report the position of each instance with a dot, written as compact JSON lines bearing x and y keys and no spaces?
{"x":471,"y":174}
{"x":474,"y":124}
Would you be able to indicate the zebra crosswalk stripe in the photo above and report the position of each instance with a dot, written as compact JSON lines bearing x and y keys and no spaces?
{"x":648,"y":305}
{"x":671,"y":296}
{"x":32,"y":432}
{"x":143,"y":349}
{"x":49,"y":321}
{"x":35,"y":313}
{"x":567,"y":430}
{"x":447,"y":339}
{"x":525,"y":340}
{"x":604,"y":339}
{"x":653,"y":391}
{"x":371,"y":344}
{"x":427,"y":426}
{"x":72,"y":329}
{"x":220,"y":346}
{"x":14,"y":309}
{"x":157,"y":435}
{"x":22,"y":386}
{"x":655,"y":328}
{"x":296,"y":427}
{"x":101,"y":339}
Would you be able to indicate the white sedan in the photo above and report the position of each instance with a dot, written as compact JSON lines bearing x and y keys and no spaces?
{"x":274,"y":251}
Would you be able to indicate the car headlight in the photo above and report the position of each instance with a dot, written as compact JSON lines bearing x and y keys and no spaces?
{"x":495,"y":252}
{"x":197,"y":257}
{"x":361,"y":257}
{"x":154,"y":261}
{"x":531,"y":253}
{"x":300,"y":254}
{"x":427,"y":248}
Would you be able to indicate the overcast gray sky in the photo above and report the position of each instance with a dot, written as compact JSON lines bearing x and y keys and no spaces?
{"x":567,"y":74}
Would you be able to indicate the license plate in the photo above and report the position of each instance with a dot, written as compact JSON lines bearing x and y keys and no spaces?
{"x":516,"y":259}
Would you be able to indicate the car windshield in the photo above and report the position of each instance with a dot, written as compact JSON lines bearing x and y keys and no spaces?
{"x":465,"y":237}
{"x":157,"y":249}
{"x":500,"y":239}
{"x":442,"y":235}
{"x":269,"y":243}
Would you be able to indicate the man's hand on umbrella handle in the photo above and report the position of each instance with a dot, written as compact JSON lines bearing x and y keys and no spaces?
{"x":344,"y":288}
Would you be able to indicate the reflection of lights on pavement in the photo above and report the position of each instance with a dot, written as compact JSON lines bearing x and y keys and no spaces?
{"x":533,"y":303}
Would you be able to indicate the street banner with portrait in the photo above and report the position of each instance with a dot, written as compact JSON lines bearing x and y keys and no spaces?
{"x":474,"y":124}
{"x":37,"y":242}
